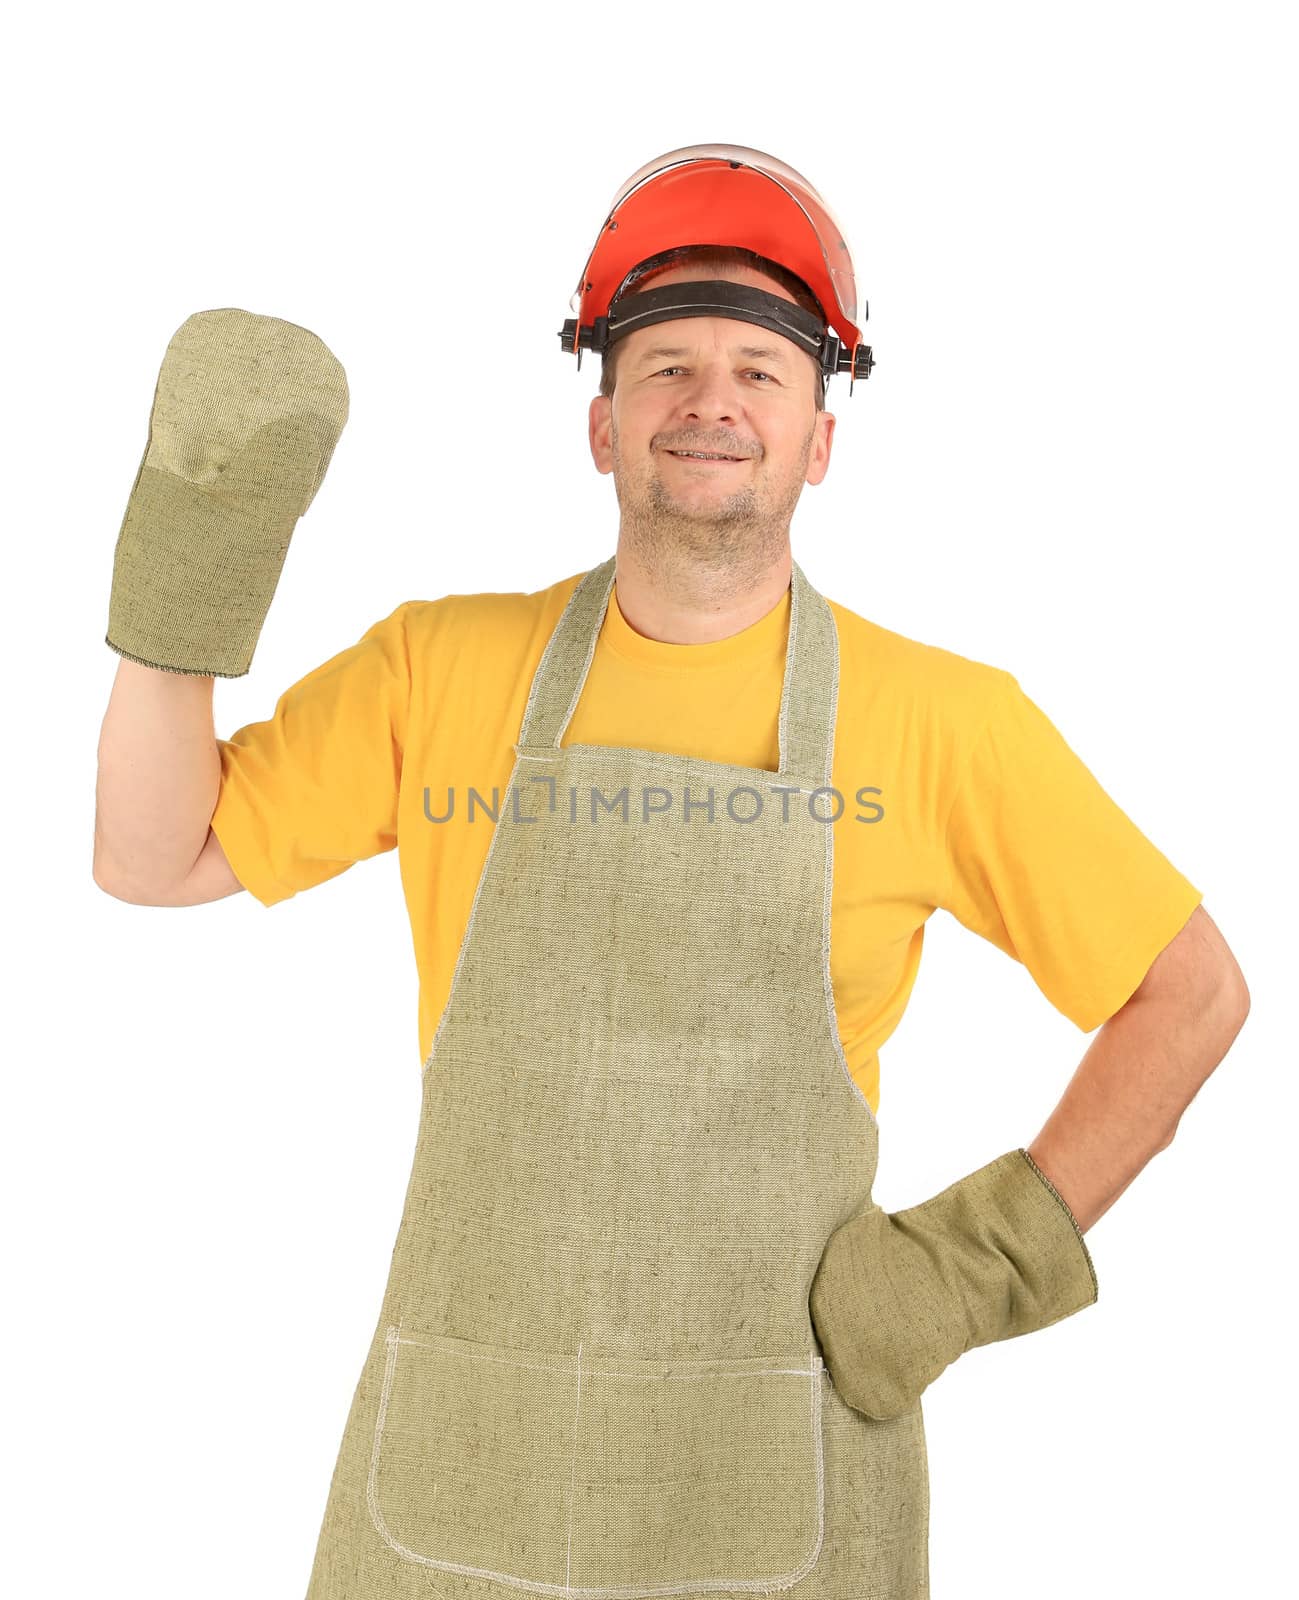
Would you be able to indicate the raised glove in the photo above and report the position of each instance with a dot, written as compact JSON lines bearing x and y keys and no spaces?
{"x":898,"y":1296}
{"x":245,"y":418}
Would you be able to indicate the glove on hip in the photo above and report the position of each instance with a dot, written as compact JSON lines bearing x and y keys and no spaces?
{"x":245,"y":418}
{"x":898,"y":1296}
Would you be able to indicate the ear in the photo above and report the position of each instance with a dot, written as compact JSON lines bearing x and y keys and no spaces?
{"x":599,"y":427}
{"x":818,"y":461}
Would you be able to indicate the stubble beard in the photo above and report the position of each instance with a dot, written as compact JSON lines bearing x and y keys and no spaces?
{"x":743,"y":533}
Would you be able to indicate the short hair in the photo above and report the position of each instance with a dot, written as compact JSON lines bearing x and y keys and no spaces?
{"x":714,"y":258}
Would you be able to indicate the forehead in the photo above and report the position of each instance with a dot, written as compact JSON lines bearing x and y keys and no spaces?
{"x":644,"y":345}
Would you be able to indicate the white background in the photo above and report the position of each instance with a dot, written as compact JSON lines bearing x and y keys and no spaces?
{"x":1075,"y":460}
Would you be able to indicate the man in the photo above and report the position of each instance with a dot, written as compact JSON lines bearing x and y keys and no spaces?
{"x":646,"y":1330}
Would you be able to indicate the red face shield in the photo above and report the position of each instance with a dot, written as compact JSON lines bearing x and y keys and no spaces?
{"x":721,"y":195}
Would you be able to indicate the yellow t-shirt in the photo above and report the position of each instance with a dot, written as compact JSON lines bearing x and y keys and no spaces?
{"x":957,"y":792}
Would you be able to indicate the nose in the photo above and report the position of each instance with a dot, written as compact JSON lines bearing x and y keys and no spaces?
{"x":710,"y":395}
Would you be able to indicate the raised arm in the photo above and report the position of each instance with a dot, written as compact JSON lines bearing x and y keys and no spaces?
{"x":246,"y":414}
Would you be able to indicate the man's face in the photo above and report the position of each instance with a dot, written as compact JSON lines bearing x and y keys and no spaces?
{"x":716,"y":385}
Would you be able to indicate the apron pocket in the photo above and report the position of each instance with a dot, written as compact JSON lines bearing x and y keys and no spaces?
{"x":618,"y":1475}
{"x":688,"y":1473}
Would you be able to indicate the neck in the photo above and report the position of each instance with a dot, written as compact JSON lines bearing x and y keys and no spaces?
{"x":679,"y":597}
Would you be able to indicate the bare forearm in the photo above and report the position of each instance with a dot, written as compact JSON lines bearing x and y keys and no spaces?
{"x":159,"y":775}
{"x":1125,"y":1100}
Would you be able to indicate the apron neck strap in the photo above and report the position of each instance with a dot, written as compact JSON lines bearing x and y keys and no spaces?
{"x":808,"y":697}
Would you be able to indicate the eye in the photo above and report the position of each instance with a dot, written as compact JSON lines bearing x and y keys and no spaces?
{"x":755,"y":371}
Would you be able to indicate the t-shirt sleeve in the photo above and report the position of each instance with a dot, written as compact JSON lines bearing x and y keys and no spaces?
{"x":1044,"y":864}
{"x":315,"y":787}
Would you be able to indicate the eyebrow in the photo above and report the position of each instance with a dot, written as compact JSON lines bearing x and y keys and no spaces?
{"x":750,"y":351}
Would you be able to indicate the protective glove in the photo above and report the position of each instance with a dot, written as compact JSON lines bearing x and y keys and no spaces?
{"x":898,"y":1296}
{"x":245,"y":418}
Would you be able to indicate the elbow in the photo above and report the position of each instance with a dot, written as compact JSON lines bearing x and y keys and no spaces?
{"x":1230,"y":992}
{"x":100,"y":873}
{"x":117,"y":886}
{"x":1218,"y":1005}
{"x":1212,"y":1026}
{"x":113,"y":887}
{"x":1232,"y":1003}
{"x":102,"y":870}
{"x":1220,"y":1015}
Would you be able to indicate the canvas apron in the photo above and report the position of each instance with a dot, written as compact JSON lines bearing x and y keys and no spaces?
{"x":594,"y":1371}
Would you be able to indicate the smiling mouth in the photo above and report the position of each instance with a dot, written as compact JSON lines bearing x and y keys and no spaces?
{"x":702,"y":455}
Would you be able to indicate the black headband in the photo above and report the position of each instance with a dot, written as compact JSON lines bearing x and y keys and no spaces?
{"x":713,"y":298}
